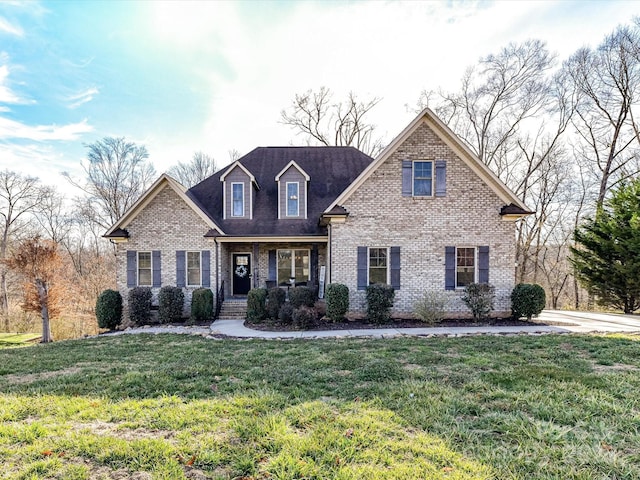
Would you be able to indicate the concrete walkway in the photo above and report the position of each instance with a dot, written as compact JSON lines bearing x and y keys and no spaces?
{"x":551,"y":321}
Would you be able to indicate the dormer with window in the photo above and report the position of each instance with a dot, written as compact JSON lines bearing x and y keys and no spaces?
{"x":238,"y":185}
{"x":292,"y":192}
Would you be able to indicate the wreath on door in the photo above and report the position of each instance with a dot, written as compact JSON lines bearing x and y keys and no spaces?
{"x":241,"y":271}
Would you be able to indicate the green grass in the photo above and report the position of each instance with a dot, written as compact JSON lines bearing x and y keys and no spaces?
{"x":17,"y":339}
{"x":172,"y":407}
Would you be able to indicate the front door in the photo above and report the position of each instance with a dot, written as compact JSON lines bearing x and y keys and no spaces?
{"x":241,"y":273}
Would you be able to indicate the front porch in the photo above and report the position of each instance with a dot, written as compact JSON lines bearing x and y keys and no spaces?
{"x":245,"y":265}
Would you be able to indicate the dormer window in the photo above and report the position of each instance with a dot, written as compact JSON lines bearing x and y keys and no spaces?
{"x":237,"y":190}
{"x":293,"y":184}
{"x":293,"y":203}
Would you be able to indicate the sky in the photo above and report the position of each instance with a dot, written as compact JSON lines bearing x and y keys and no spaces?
{"x":181,"y":77}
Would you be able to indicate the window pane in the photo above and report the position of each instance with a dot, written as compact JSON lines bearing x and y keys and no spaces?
{"x":238,"y":200}
{"x":292,"y":199}
{"x":193,"y":268}
{"x":465,"y":266}
{"x":284,"y":266}
{"x":377,"y":265}
{"x":144,"y":277}
{"x":144,"y":259}
{"x":422,"y":178}
{"x":302,"y":265}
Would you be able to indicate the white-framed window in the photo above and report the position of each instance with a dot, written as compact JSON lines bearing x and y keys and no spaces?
{"x":293,"y":264}
{"x":193,"y":269}
{"x":466,"y":265}
{"x":423,"y":178}
{"x":144,"y":269}
{"x":293,"y":199}
{"x":237,"y":199}
{"x":378,"y":265}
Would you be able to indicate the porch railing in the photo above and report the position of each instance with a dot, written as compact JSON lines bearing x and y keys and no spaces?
{"x":219,"y":300}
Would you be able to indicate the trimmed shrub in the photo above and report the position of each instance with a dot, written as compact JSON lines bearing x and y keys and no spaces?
{"x":337,"y":300}
{"x":109,"y":309}
{"x":257,"y":304}
{"x":431,"y":307}
{"x":286,"y":313}
{"x":275,"y":298}
{"x":304,"y":317}
{"x":170,"y":304}
{"x":479,"y":298}
{"x":527,"y":300}
{"x":380,"y":299}
{"x":301,"y":296}
{"x":140,"y":305}
{"x":201,"y":305}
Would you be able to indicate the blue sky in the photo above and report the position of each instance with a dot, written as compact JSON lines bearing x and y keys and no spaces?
{"x":181,"y":77}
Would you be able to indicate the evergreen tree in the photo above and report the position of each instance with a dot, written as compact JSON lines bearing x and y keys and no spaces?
{"x":607,"y":253}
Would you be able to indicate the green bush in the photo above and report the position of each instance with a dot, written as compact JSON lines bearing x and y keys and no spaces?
{"x":431,"y":307}
{"x":140,"y":305}
{"x":109,"y":309}
{"x":302,"y":296}
{"x":170,"y":304}
{"x":337,"y":300}
{"x":286,"y":314}
{"x":527,"y":300}
{"x":304,"y":317}
{"x":479,"y":298}
{"x":380,"y":299}
{"x":257,"y":304}
{"x":201,"y":305}
{"x":275,"y":298}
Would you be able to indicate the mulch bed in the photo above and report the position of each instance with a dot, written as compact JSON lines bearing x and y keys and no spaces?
{"x":358,"y":324}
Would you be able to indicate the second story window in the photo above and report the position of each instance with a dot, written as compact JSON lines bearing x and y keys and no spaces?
{"x":422,"y":179}
{"x":237,"y":194}
{"x":293,"y":196}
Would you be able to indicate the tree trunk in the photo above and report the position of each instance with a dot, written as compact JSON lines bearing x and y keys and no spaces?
{"x":44,"y":304}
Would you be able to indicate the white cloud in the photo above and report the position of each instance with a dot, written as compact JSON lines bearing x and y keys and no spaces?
{"x":7,"y":27}
{"x":6,"y":95}
{"x":10,"y":129}
{"x":81,"y":98}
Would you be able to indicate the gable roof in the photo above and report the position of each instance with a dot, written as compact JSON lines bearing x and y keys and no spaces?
{"x":330,"y":169}
{"x":118,"y":230}
{"x":293,"y":164}
{"x":453,"y":142}
{"x":235,"y":164}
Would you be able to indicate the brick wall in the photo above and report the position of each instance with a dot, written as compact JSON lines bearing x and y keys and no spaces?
{"x":468,"y":216}
{"x":167,"y":224}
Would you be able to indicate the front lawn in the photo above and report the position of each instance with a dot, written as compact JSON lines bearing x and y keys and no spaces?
{"x":170,"y":406}
{"x":17,"y":339}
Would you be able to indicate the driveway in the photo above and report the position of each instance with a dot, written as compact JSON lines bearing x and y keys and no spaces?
{"x":584,"y":322}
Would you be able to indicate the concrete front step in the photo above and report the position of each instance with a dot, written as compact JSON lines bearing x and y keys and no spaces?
{"x":234,"y":309}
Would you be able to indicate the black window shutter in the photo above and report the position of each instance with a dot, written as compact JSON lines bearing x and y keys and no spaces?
{"x":157,"y":268}
{"x":180,"y":268}
{"x":363,"y":262}
{"x":483,"y":264}
{"x":395,"y":267}
{"x":441,"y":178}
{"x":407,"y":178}
{"x":273,"y":274}
{"x":449,"y":268}
{"x":206,"y":268}
{"x":132,"y":267}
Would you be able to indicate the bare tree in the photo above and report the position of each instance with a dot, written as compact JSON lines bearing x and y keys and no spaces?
{"x":117,"y":173}
{"x":52,"y":215}
{"x":19,"y":196}
{"x":38,"y":261}
{"x":324,"y":122}
{"x":607,"y":80}
{"x":189,"y":174}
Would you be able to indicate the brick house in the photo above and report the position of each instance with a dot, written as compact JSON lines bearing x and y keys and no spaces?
{"x":426,"y":214}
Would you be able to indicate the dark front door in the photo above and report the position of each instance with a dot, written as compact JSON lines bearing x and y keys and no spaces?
{"x":241,"y":274}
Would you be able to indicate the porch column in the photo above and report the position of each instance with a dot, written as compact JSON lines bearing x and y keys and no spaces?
{"x":314,"y":264}
{"x":256,"y":265}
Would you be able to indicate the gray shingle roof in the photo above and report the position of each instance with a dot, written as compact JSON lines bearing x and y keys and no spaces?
{"x":331,"y":170}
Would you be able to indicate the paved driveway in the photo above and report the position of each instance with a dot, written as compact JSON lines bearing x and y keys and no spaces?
{"x":583,"y":322}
